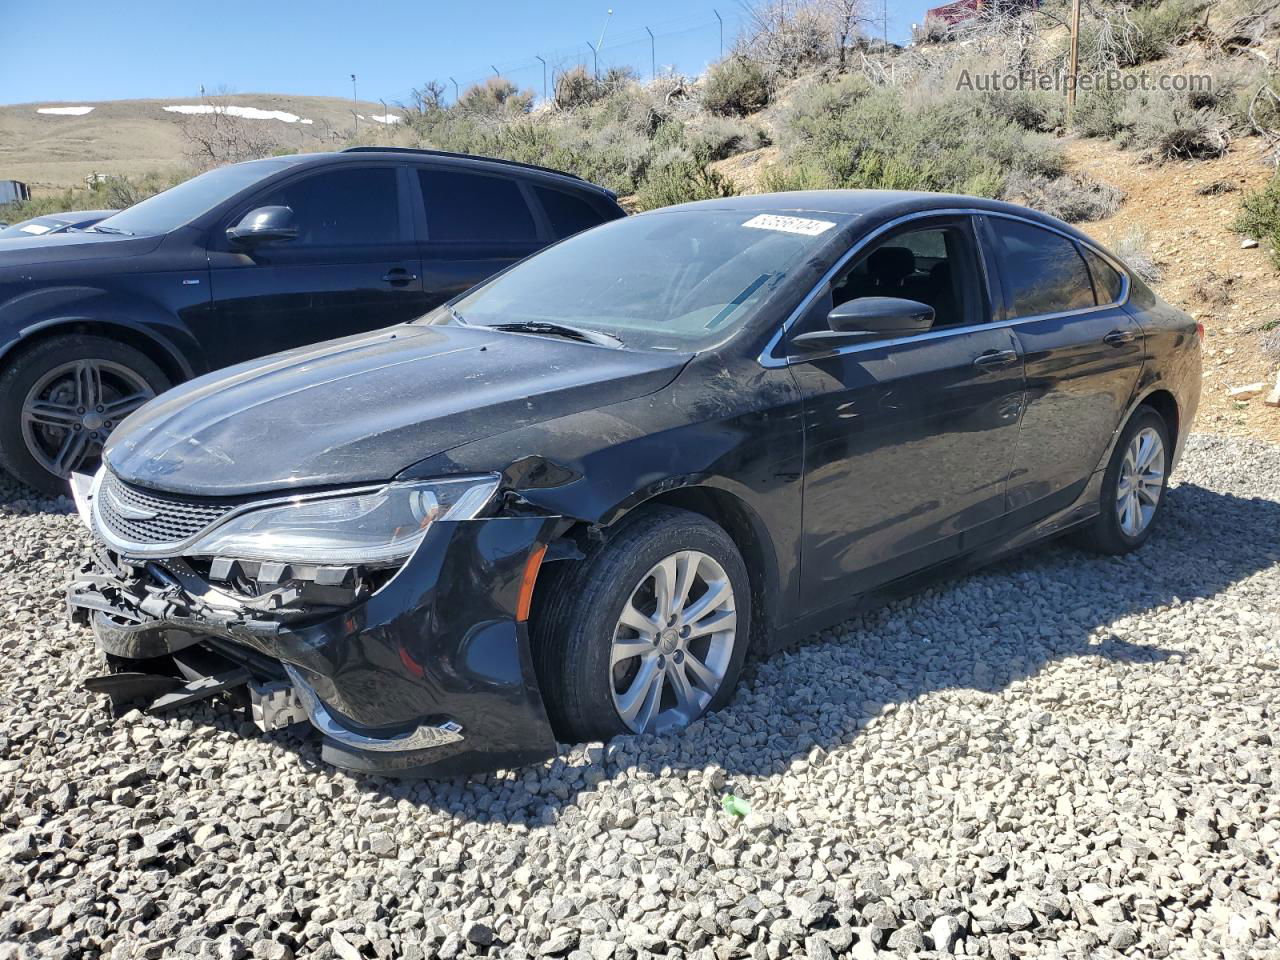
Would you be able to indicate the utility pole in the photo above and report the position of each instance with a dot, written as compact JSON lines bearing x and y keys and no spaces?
{"x":653,"y":56}
{"x":544,"y":75}
{"x":721,"y":19}
{"x":1073,"y":67}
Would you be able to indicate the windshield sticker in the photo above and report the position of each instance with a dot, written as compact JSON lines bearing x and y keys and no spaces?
{"x":36,"y":228}
{"x":801,"y":225}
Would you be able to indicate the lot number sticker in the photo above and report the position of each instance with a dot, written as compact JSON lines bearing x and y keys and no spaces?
{"x":801,"y":225}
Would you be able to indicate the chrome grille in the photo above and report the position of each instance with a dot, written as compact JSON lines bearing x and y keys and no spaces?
{"x":145,"y":517}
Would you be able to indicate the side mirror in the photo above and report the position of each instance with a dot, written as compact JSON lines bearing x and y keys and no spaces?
{"x":263,"y":225}
{"x":868,"y":318}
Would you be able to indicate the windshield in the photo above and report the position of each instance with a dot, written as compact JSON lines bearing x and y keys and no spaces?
{"x":183,"y":203}
{"x":682,"y":280}
{"x":31,"y":228}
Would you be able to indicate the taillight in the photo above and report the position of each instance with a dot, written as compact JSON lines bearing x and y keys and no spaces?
{"x":1200,"y":330}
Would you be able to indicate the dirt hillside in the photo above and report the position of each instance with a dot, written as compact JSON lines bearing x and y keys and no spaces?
{"x":1185,"y":211}
{"x":133,"y":137}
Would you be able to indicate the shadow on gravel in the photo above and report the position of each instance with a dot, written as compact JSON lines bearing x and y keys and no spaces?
{"x":979,"y":632}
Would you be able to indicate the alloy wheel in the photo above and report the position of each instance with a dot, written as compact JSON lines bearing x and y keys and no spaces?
{"x":1141,"y":482}
{"x":673,"y":643}
{"x":69,"y":412}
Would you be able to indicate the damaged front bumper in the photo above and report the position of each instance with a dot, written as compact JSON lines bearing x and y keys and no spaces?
{"x":430,"y":674}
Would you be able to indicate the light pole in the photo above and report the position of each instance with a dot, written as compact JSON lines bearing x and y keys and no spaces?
{"x":595,"y":51}
{"x":354,"y":98}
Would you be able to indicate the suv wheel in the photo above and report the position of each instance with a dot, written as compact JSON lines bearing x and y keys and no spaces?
{"x":648,"y":633}
{"x":62,"y":398}
{"x":1133,"y":488}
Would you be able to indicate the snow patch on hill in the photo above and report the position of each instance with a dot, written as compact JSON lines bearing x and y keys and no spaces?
{"x":249,"y":113}
{"x":64,"y":111}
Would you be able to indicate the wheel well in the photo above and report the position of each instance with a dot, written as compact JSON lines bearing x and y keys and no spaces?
{"x":1163,"y":403}
{"x":736,"y":519}
{"x":153,"y":351}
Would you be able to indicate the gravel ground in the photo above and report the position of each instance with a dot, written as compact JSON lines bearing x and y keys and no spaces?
{"x":1064,"y":755}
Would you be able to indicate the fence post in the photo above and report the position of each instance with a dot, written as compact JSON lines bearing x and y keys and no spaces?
{"x":544,"y":75}
{"x":653,"y":56}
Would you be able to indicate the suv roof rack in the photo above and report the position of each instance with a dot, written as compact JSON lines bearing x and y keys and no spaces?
{"x":461,"y":156}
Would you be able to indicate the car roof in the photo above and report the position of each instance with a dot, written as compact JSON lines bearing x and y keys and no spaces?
{"x":873,"y":206}
{"x":491,"y":164}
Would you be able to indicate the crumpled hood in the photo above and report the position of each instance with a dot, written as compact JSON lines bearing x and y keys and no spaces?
{"x":58,"y":247}
{"x":362,"y":409}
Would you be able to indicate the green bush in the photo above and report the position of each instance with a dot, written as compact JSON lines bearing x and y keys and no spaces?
{"x":681,"y":181}
{"x":1260,"y":217}
{"x":851,"y":134}
{"x":497,"y":95}
{"x":576,"y":87}
{"x":735,"y":87}
{"x":1157,"y":27}
{"x":1068,"y":197}
{"x":1167,"y":126}
{"x":1097,"y":113}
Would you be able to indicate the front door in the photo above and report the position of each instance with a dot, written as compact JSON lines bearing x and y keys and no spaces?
{"x":908,"y":441}
{"x":1083,"y":354}
{"x":353,"y":267}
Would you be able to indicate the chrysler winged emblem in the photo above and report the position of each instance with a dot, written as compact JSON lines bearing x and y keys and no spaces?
{"x":126,"y":511}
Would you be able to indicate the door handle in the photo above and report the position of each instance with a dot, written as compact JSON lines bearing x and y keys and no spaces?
{"x":995,"y":359}
{"x":1118,"y":338}
{"x":399,"y":275}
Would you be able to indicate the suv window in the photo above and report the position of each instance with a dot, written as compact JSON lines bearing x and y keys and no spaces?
{"x":568,"y":214}
{"x":1107,"y":282}
{"x":1042,"y":271}
{"x":933,"y":265}
{"x":342,"y":208}
{"x":473,"y":207}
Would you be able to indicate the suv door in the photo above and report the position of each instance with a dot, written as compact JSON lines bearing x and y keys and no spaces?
{"x":353,"y":266}
{"x":1082,"y":351}
{"x":471,"y":224}
{"x":908,"y":441}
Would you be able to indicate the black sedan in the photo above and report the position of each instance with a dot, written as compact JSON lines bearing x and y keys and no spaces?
{"x":567,"y":504}
{"x":54,"y":223}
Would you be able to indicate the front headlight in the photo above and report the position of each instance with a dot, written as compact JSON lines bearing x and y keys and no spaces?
{"x":380,"y":526}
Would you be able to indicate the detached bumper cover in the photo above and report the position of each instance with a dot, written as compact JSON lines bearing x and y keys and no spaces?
{"x":430,"y":676}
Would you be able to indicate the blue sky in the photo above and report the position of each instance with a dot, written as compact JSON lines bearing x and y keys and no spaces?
{"x":79,"y":50}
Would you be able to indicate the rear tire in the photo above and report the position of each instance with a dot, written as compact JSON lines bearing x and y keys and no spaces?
{"x":61,"y":398}
{"x":600,"y":675}
{"x":1133,"y":487}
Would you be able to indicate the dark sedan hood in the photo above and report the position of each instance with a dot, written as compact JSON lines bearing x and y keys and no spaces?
{"x":362,"y":409}
{"x":58,"y":247}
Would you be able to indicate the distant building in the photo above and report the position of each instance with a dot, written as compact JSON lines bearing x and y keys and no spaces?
{"x":961,"y":11}
{"x":13,"y":191}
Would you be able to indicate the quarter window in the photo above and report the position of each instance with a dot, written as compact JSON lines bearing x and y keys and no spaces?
{"x":342,"y":208}
{"x":471,"y":208}
{"x":1107,"y":282}
{"x":1043,"y":272}
{"x":568,"y":214}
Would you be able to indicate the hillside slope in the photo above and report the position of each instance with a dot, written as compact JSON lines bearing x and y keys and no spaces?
{"x":133,"y":137}
{"x":1185,"y":212}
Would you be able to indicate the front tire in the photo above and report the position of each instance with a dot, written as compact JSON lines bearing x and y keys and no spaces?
{"x":648,"y":633}
{"x":61,"y":398}
{"x":1133,"y":487}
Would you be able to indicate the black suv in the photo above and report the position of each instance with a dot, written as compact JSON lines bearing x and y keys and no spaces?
{"x":247,"y":260}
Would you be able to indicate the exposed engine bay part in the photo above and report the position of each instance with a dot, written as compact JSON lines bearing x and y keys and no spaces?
{"x":426,"y":673}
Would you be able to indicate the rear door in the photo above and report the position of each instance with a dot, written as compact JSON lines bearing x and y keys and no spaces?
{"x":353,"y":266}
{"x":908,"y":441}
{"x":1083,"y":354}
{"x":471,"y":224}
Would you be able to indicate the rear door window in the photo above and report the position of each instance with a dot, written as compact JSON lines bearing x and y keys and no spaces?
{"x":466,"y":207}
{"x":568,"y":214}
{"x":1042,"y":271}
{"x":342,"y":208}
